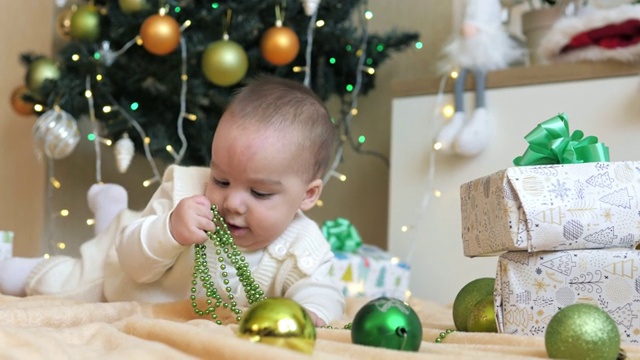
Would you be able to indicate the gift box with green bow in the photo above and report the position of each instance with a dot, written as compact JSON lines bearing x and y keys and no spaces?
{"x":6,"y":244}
{"x":363,"y":270}
{"x":563,"y":194}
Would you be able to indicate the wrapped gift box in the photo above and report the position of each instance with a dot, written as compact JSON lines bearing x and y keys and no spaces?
{"x":6,"y":244}
{"x":370,"y":272}
{"x":532,"y":287}
{"x":552,"y":207}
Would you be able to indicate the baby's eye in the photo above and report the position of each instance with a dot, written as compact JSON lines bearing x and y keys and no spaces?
{"x":260,"y":195}
{"x":221,"y":183}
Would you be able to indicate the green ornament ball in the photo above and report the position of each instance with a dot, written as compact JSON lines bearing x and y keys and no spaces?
{"x":224,"y":63}
{"x":482,"y":317}
{"x":39,"y":71}
{"x":387,"y":323}
{"x":467,"y":297}
{"x":85,"y":23}
{"x":132,"y":6}
{"x":582,"y":331}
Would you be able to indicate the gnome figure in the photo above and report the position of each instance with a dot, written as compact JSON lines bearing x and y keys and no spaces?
{"x":482,"y":45}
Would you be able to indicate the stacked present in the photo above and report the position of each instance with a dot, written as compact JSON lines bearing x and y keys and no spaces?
{"x":565,"y":223}
{"x":364,"y":270}
{"x":6,"y":244}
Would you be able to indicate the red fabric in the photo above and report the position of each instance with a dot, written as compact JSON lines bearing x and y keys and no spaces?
{"x":612,"y":36}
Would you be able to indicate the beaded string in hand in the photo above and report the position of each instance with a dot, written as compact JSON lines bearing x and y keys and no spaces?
{"x":223,"y":241}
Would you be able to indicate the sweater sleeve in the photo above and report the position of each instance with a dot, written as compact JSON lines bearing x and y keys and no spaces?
{"x":319,"y":294}
{"x":302,"y":259}
{"x":145,"y":248}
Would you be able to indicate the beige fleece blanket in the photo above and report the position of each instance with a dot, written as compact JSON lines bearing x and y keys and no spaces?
{"x":53,"y":328}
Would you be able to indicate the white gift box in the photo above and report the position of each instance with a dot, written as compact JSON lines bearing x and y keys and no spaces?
{"x":552,"y":207}
{"x":532,"y":287}
{"x":6,"y":244}
{"x":370,"y":272}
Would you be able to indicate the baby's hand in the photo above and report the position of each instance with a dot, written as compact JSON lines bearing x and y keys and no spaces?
{"x":317,"y":322}
{"x":190,"y":220}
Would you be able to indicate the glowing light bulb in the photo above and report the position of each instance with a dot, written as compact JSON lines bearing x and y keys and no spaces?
{"x":448,"y":111}
{"x":454,"y":74}
{"x":320,"y":23}
{"x":91,"y":222}
{"x":64,"y":212}
{"x":319,"y":203}
{"x":404,"y":228}
{"x":437,"y":146}
{"x":437,"y":193}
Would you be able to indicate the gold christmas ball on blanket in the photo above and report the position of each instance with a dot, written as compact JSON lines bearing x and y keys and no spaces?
{"x":280,"y":322}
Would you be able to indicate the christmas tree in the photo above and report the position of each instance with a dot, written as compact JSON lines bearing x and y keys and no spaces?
{"x":162,"y":72}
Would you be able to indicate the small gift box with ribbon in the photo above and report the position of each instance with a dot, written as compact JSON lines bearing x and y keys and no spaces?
{"x":563,"y":194}
{"x":6,"y":244}
{"x":363,"y":270}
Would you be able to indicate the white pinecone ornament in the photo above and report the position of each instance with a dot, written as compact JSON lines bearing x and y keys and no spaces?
{"x":124,"y":150}
{"x":310,"y":6}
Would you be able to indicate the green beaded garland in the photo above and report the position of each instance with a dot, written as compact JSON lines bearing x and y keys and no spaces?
{"x":223,"y":241}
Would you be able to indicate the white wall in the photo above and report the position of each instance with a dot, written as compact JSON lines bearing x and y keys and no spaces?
{"x":608,"y":109}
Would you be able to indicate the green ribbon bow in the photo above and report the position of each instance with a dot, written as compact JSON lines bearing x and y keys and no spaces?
{"x":341,"y":235}
{"x":550,"y":143}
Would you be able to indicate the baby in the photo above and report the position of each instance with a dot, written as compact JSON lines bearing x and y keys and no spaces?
{"x":270,"y":151}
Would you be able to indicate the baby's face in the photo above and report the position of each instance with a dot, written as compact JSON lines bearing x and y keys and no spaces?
{"x":255,"y":185}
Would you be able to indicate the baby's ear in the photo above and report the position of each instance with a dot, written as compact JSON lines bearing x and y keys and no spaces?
{"x":314,"y":189}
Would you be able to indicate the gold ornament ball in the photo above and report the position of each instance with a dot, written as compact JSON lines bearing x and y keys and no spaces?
{"x":582,"y":331}
{"x":132,"y":6}
{"x":160,"y":34}
{"x":19,"y":105}
{"x":279,"y":45}
{"x":85,"y":23}
{"x":468,"y":296}
{"x":63,"y":23}
{"x":41,"y":70}
{"x":224,"y":63}
{"x":280,"y":322}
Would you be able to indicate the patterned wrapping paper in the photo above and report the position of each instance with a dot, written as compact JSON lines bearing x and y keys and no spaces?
{"x":532,"y":287}
{"x":552,"y":207}
{"x":370,"y":272}
{"x":6,"y":244}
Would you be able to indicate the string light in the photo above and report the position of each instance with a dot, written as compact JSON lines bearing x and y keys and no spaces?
{"x":404,"y":228}
{"x":319,"y":203}
{"x":61,"y":245}
{"x":64,"y":212}
{"x":454,"y":74}
{"x":437,"y":193}
{"x":91,"y":222}
{"x":448,"y":111}
{"x":54,"y":182}
{"x":320,"y":23}
{"x":107,"y":109}
{"x":437,"y":146}
{"x":191,"y":117}
{"x":99,"y":77}
{"x":38,"y":107}
{"x":75,"y":57}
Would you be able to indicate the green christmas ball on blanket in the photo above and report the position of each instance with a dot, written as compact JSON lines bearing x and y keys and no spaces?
{"x":470,"y":295}
{"x":388,"y":323}
{"x":582,"y":331}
